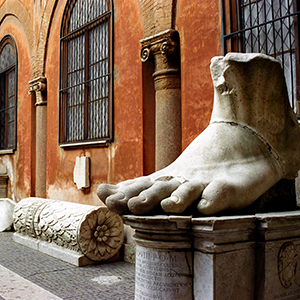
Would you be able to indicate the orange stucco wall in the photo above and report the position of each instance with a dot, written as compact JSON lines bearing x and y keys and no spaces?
{"x":199,"y":26}
{"x":19,"y":164}
{"x":123,"y":158}
{"x":35,"y":26}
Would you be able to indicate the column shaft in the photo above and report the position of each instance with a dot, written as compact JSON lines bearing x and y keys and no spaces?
{"x":164,"y":49}
{"x":37,"y":86}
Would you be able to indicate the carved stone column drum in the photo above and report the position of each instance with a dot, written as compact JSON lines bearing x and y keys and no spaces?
{"x":92,"y":230}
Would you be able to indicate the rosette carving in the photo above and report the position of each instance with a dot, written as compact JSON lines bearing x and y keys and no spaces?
{"x":92,"y":230}
{"x":100,"y":234}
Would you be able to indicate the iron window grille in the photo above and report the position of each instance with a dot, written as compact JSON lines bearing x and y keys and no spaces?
{"x":8,"y":93}
{"x":86,"y":64}
{"x":265,"y":26}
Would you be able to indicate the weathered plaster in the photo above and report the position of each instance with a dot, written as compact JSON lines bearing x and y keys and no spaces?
{"x":21,"y":161}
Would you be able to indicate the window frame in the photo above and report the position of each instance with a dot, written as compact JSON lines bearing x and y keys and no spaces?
{"x":64,"y":34}
{"x":233,"y":31}
{"x":8,"y":39}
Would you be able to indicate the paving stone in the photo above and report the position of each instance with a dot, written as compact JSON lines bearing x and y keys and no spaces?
{"x":102,"y":281}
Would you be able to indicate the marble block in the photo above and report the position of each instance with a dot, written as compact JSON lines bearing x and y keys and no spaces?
{"x":163,"y":266}
{"x":6,"y":213}
{"x":165,"y":275}
{"x":224,"y":258}
{"x":248,"y":257}
{"x":278,"y":256}
{"x":70,"y":256}
{"x":81,"y":172}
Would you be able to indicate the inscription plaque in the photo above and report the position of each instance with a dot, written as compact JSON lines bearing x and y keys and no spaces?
{"x":163,"y":275}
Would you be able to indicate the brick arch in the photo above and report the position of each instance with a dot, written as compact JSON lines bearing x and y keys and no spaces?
{"x":17,"y":9}
{"x":39,"y":67}
{"x":157,"y":15}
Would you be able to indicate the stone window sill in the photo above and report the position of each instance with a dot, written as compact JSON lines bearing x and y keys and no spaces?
{"x":7,"y":151}
{"x":86,"y":144}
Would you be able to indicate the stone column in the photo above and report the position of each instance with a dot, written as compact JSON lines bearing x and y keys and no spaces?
{"x":45,"y":225}
{"x":164,"y":49}
{"x":224,"y":258}
{"x":278,"y":256}
{"x":37,"y":86}
{"x":163,"y":268}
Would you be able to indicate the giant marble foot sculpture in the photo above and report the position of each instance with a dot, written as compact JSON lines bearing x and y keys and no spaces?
{"x":252,"y":141}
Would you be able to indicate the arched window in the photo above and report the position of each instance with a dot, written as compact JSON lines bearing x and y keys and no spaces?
{"x":266,"y":26}
{"x":86,"y":72}
{"x":8,"y":93}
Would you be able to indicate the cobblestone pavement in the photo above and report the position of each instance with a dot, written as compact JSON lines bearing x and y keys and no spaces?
{"x":107,"y":281}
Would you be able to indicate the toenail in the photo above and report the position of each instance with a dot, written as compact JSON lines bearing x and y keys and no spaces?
{"x":175,"y":199}
{"x":141,"y":198}
{"x":164,"y":178}
{"x":117,"y":197}
{"x":181,"y":179}
{"x":203,"y":202}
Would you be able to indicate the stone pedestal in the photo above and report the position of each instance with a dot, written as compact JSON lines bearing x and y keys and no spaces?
{"x":224,"y":258}
{"x":234,"y":257}
{"x":164,"y":265}
{"x":278,"y":256}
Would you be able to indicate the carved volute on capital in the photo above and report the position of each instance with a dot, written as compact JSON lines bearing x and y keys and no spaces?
{"x":164,"y":49}
{"x":168,"y":46}
{"x":163,"y":43}
{"x":37,"y":86}
{"x":145,"y":53}
{"x":164,"y":46}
